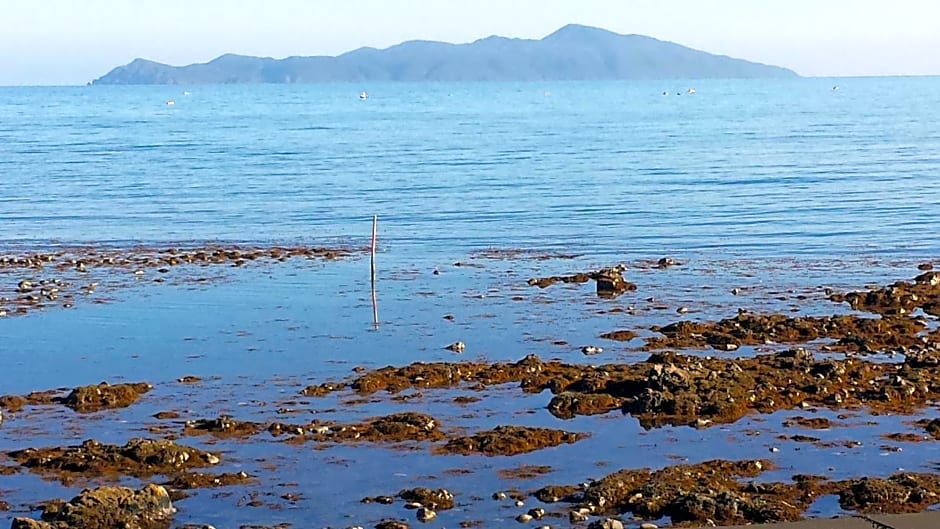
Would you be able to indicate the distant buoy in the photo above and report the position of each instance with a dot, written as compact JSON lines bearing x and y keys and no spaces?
{"x":170,"y":102}
{"x":363,"y":95}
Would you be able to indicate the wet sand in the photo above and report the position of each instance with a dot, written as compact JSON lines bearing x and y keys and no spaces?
{"x":684,"y":392}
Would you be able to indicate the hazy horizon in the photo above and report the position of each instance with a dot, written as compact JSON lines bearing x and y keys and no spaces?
{"x":56,"y":42}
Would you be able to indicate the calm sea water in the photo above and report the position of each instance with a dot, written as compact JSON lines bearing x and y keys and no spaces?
{"x":741,"y":167}
{"x":777,"y":188}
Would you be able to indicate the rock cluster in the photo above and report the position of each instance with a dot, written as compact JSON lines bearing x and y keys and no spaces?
{"x":139,"y":457}
{"x":106,"y":508}
{"x":610,"y":281}
{"x":509,"y":440}
{"x":72,"y":274}
{"x":83,"y":399}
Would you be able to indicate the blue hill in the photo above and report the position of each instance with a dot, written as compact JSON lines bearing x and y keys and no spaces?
{"x":574,"y":52}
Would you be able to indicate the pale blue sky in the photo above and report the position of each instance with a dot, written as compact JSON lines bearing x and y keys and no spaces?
{"x":74,"y":41}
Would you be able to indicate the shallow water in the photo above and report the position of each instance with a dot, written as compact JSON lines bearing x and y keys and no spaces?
{"x":779,"y":189}
{"x":261,"y":333}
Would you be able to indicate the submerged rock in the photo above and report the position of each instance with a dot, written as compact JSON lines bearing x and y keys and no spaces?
{"x":897,"y":494}
{"x":932,"y":426}
{"x":391,"y":524}
{"x":851,"y":333}
{"x":622,"y":335}
{"x":195,"y":480}
{"x":509,"y":440}
{"x":14,"y":403}
{"x":223,"y":426}
{"x":610,"y":281}
{"x":75,"y":266}
{"x":395,"y":428}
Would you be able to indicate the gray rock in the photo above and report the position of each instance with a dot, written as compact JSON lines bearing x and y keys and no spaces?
{"x":607,"y":523}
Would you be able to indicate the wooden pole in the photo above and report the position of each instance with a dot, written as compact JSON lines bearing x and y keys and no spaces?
{"x":375,"y":302}
{"x":375,"y":222}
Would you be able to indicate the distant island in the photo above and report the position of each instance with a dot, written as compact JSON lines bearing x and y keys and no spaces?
{"x":574,"y":52}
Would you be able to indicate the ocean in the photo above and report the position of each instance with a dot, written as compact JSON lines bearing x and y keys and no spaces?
{"x":770,"y":195}
{"x":782,"y":167}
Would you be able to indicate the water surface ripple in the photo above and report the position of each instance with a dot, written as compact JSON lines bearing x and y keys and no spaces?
{"x":742,"y":167}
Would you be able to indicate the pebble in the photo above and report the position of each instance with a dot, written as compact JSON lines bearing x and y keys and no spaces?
{"x":592,"y":350}
{"x":499,"y":496}
{"x":524,"y":518}
{"x":413,"y":505}
{"x":648,"y":525}
{"x":520,"y":503}
{"x":577,"y":516}
{"x":426,"y":515}
{"x":537,"y":513}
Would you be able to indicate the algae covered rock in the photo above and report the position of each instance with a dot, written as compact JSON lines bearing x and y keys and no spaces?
{"x":106,"y":508}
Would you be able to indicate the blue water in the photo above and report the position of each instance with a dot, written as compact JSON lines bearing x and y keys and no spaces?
{"x":773,"y":190}
{"x":779,"y":167}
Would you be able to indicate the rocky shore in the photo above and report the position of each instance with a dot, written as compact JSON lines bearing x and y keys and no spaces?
{"x":876,"y":355}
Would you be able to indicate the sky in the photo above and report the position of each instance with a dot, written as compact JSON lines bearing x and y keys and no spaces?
{"x":63,"y":42}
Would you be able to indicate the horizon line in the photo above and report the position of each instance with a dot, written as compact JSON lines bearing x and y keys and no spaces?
{"x":799,"y":77}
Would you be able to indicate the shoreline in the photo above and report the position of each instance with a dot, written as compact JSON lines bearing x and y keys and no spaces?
{"x":602,"y":354}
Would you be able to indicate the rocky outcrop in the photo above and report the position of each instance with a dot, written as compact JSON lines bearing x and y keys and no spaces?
{"x":106,"y":508}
